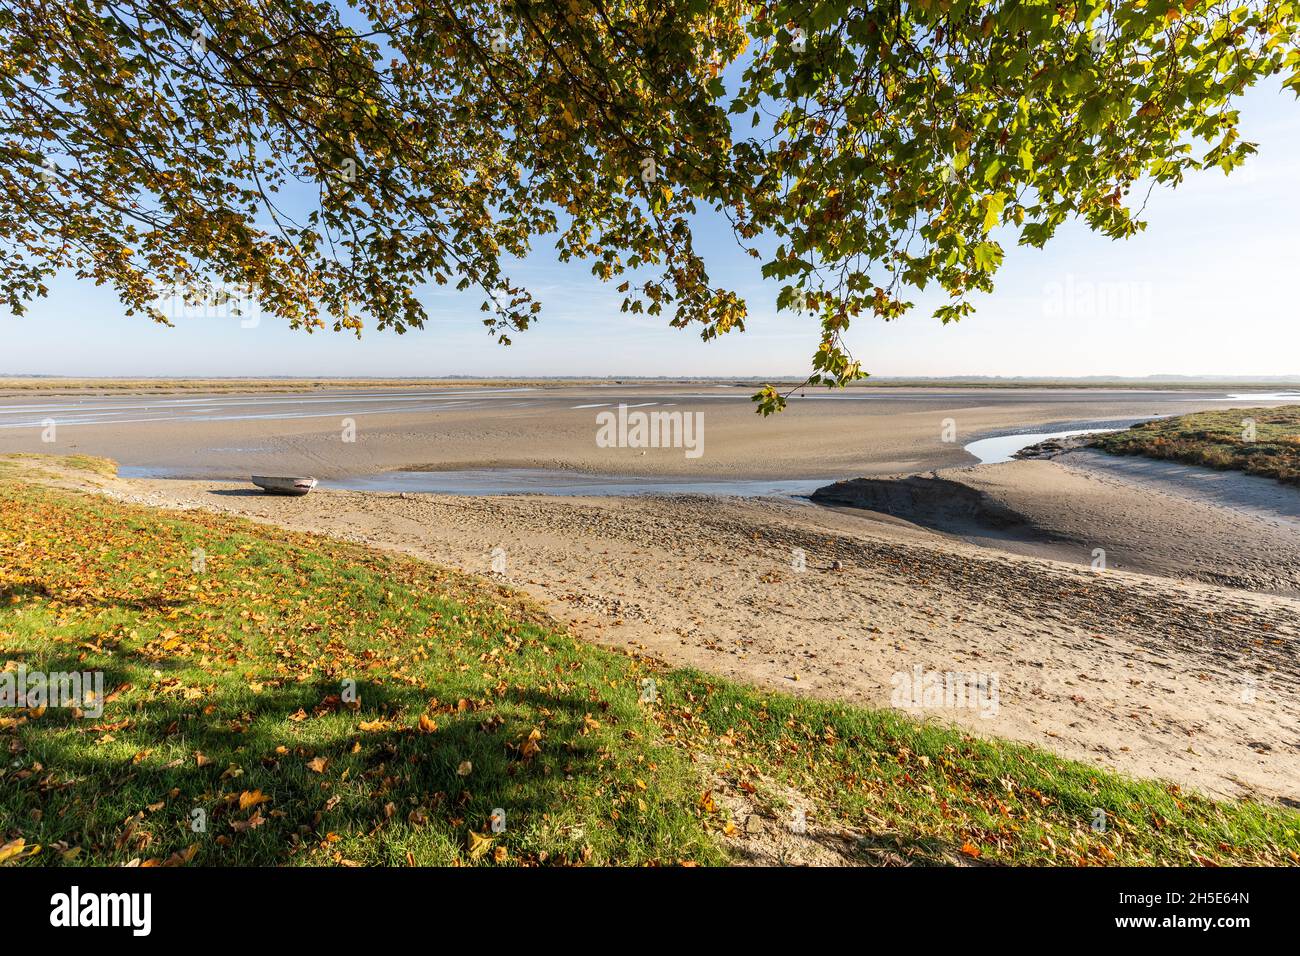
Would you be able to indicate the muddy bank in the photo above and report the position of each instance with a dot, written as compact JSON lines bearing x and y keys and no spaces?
{"x":1095,"y":510}
{"x":930,"y":501}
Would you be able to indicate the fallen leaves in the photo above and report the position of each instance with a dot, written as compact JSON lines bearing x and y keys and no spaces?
{"x":179,"y":858}
{"x":601,"y":763}
{"x":531,"y":746}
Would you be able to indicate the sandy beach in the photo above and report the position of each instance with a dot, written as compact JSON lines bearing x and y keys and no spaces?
{"x":349,"y":432}
{"x":1140,"y":615}
{"x":650,"y":438}
{"x":1196,"y":681}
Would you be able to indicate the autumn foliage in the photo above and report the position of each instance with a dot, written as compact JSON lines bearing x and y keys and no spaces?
{"x":338,"y":159}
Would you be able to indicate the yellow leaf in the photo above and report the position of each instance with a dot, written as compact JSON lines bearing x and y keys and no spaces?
{"x":14,"y":850}
{"x":251,"y":798}
{"x":479,"y":843}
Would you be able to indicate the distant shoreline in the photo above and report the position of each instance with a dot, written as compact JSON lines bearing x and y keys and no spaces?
{"x":38,"y":384}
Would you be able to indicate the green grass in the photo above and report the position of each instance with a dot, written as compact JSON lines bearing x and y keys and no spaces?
{"x":1220,"y":440}
{"x":245,"y":663}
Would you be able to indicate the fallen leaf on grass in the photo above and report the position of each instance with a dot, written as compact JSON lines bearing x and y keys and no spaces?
{"x":256,"y":820}
{"x":251,"y":798}
{"x":317,"y":764}
{"x":17,"y":850}
{"x":530,"y":747}
{"x":479,"y":843}
{"x":179,"y":858}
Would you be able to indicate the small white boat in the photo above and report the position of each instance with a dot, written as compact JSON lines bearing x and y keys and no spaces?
{"x":284,"y":486}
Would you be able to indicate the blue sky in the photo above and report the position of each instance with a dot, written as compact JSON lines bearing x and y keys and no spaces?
{"x":1209,"y":288}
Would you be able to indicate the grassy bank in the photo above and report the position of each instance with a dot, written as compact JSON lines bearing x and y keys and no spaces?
{"x":231,"y":652}
{"x":1220,"y":439}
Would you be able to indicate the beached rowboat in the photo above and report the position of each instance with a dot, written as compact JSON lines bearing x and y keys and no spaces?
{"x":284,"y":486}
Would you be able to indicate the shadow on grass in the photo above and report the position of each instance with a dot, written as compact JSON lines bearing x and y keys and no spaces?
{"x":169,"y":774}
{"x":33,"y":590}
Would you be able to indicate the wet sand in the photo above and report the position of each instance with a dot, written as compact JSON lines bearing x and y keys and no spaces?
{"x":825,"y":435}
{"x":1085,"y":507}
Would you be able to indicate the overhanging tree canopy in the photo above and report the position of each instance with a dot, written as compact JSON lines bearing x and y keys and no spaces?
{"x":879,"y":147}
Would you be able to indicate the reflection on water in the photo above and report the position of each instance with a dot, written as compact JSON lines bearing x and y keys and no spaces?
{"x":1000,"y":448}
{"x":1262,"y":397}
{"x":537,"y":481}
{"x":530,"y":481}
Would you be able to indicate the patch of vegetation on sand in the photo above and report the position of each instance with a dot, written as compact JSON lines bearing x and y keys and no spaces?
{"x":1258,"y":441}
{"x":231,"y":652}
